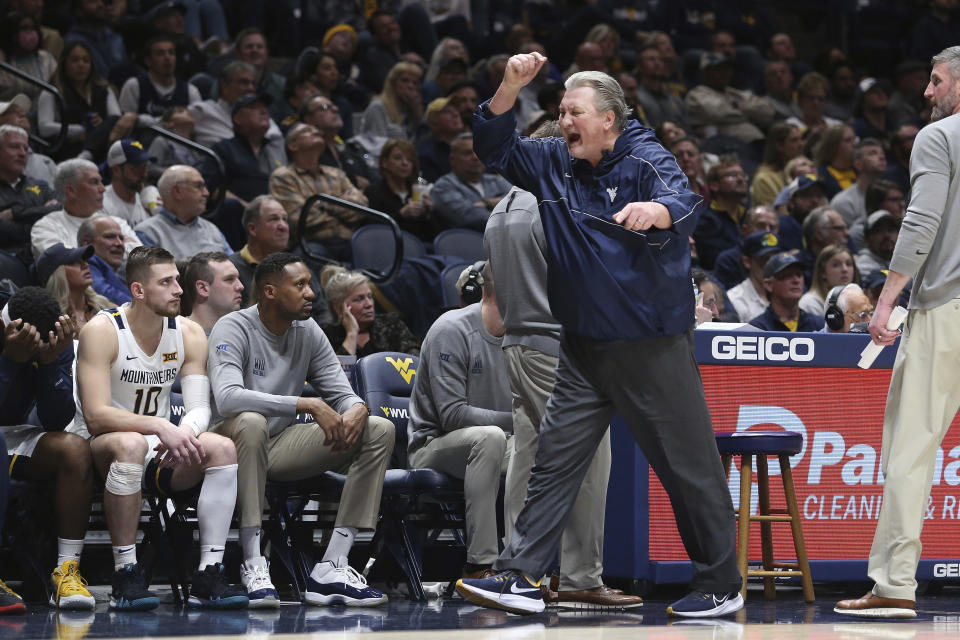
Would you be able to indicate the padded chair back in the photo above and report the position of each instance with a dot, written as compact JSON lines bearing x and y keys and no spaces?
{"x":465,"y":243}
{"x":448,"y":284}
{"x":385,"y":382}
{"x":13,"y":269}
{"x":373,"y":247}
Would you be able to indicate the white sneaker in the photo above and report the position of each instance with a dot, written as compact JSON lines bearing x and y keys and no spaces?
{"x":340,"y":584}
{"x":255,"y":577}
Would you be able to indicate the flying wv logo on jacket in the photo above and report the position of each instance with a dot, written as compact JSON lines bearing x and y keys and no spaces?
{"x":612,"y":192}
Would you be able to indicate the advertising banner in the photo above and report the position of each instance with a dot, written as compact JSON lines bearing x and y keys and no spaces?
{"x":838,"y":477}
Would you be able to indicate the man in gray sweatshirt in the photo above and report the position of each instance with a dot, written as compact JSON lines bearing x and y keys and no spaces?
{"x":259,"y":359}
{"x":460,"y":420}
{"x":924,"y":386}
{"x":516,"y":248}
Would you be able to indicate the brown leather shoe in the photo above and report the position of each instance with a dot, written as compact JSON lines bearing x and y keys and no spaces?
{"x":601,"y":598}
{"x":480,"y":574}
{"x":550,"y":597}
{"x":873,"y":606}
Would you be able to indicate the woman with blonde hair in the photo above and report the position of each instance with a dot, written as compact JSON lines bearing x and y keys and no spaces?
{"x":397,"y":111}
{"x":66,"y":275}
{"x":609,"y":40}
{"x":834,"y":266}
{"x":358,"y":329}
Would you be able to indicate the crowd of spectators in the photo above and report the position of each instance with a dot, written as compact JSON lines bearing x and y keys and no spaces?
{"x":796,"y":142}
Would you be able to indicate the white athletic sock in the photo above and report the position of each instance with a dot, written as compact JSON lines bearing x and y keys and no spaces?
{"x":250,"y":543}
{"x":124,"y":555}
{"x":218,"y":495}
{"x":68,"y":550}
{"x":340,"y":543}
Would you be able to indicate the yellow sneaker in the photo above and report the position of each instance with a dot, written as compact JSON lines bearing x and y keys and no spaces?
{"x":69,"y":588}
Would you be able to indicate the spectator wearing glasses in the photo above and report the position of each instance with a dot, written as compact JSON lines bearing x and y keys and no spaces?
{"x":320,"y":111}
{"x":854,"y":306}
{"x":822,"y":227}
{"x":177,"y":226}
{"x":719,"y":225}
{"x":813,"y":90}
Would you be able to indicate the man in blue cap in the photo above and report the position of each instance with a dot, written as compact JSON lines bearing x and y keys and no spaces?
{"x":749,"y":298}
{"x":806,"y":193}
{"x":128,"y":162}
{"x":783,"y":281}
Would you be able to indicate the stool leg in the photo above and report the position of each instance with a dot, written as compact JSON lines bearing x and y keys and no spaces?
{"x":766,"y":528}
{"x":725,"y":461}
{"x":743,"y":528}
{"x":798,"y":544}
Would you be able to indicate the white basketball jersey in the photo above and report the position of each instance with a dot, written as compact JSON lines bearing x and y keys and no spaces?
{"x":140,"y":383}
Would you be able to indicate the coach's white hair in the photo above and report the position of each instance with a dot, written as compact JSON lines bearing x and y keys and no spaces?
{"x":70,"y":172}
{"x":950,"y":55}
{"x":608,"y":94}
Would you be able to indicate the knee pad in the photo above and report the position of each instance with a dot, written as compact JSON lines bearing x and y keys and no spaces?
{"x":124,"y":478}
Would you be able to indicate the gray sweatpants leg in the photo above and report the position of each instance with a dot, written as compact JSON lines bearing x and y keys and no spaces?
{"x":655,"y":385}
{"x":532,"y":377}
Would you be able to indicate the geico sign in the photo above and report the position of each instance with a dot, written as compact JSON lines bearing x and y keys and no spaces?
{"x":946,"y":570}
{"x":752,"y":348}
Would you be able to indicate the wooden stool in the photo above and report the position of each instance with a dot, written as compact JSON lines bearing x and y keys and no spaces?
{"x":760,"y":444}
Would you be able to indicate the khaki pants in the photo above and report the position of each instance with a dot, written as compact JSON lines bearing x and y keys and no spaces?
{"x":478,"y":455}
{"x":300,"y":451}
{"x":923,"y":399}
{"x":532,"y":376}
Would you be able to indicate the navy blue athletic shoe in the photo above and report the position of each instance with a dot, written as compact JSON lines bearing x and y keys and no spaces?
{"x":511,"y":591}
{"x":130,"y":590}
{"x":340,"y":584}
{"x":706,"y":605}
{"x":209,"y":589}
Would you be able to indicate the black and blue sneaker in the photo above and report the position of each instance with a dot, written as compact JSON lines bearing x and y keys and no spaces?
{"x":511,"y":591}
{"x":130,"y":590}
{"x":339,"y":583}
{"x":209,"y":589}
{"x":706,"y":605}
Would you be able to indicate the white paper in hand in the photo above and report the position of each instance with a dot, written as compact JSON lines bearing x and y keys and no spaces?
{"x":872,"y":350}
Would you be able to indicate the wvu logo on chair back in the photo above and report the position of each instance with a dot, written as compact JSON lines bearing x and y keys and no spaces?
{"x":391,"y":412}
{"x":403,"y":367}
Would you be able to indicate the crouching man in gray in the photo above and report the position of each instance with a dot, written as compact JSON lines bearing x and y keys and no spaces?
{"x":259,"y":359}
{"x":460,"y":420}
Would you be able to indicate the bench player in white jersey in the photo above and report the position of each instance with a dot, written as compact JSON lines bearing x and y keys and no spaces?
{"x":127,"y":361}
